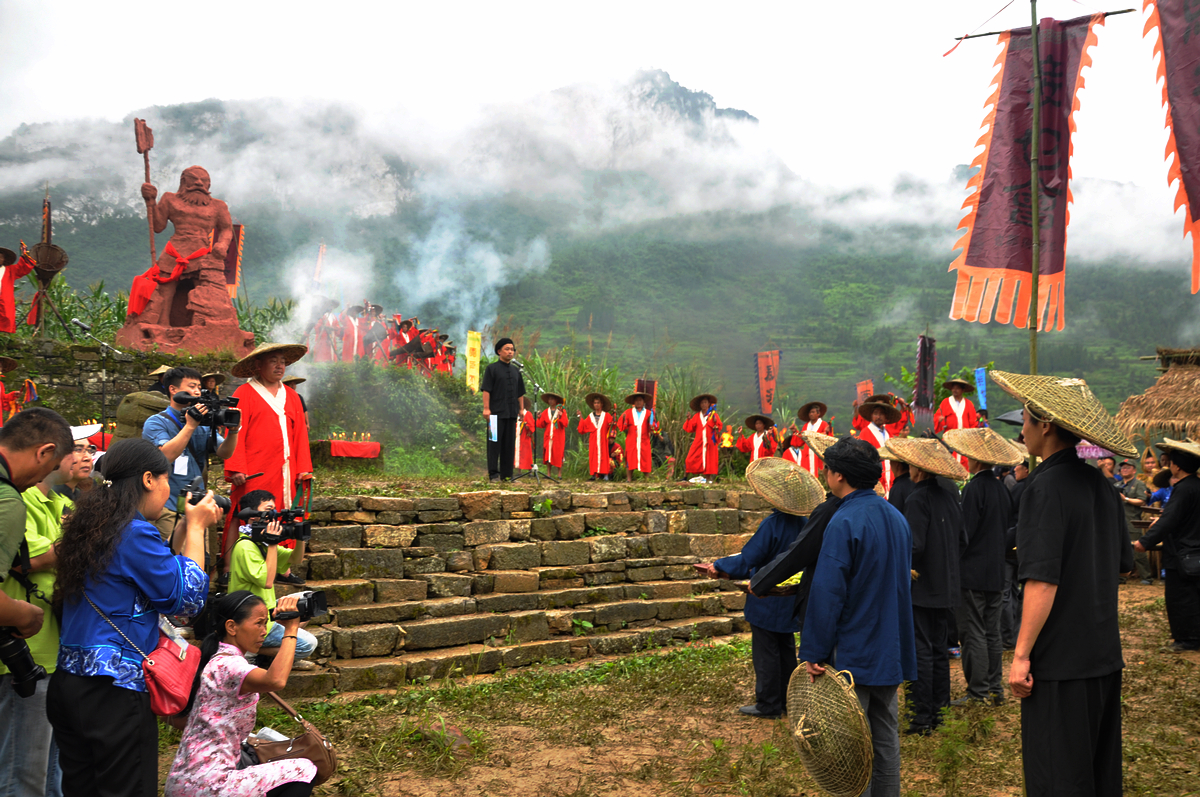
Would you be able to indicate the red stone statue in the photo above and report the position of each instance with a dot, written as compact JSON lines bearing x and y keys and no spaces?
{"x":182,"y":301}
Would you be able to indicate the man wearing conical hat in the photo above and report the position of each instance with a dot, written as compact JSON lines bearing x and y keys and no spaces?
{"x":987,"y":516}
{"x":554,"y":420}
{"x":956,"y":410}
{"x":1071,"y":549}
{"x":598,"y":426}
{"x":878,"y":414}
{"x":761,"y":443}
{"x":935,"y":520}
{"x":354,"y":325}
{"x":638,"y":423}
{"x":812,"y":419}
{"x":704,"y":424}
{"x":793,"y":493}
{"x":1178,"y":529}
{"x":274,"y":434}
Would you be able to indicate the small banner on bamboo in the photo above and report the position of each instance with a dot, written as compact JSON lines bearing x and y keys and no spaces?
{"x":995,"y":263}
{"x":981,"y":381}
{"x":474,"y":349}
{"x":863,"y":390}
{"x":767,"y":365}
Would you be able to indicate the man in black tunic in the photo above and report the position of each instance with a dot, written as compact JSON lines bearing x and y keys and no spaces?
{"x":1178,"y":529}
{"x":1071,"y":548}
{"x":987,"y":515}
{"x":934,"y":516}
{"x":503,"y":390}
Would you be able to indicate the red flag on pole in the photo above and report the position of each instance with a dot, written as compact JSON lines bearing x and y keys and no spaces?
{"x":995,"y":262}
{"x":767,"y":365}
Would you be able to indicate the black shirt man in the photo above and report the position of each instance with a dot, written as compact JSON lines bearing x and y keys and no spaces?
{"x":503,"y":390}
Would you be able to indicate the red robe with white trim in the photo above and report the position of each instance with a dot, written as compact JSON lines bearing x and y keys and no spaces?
{"x":352,"y":337}
{"x":8,"y":303}
{"x":523,"y":450}
{"x":323,"y":336}
{"x":597,"y":433}
{"x":947,"y":418}
{"x":793,"y":453}
{"x":260,"y":447}
{"x":637,"y":439}
{"x":702,"y":455}
{"x":758,"y":446}
{"x":869,"y":434}
{"x":554,"y":439}
{"x":809,"y":459}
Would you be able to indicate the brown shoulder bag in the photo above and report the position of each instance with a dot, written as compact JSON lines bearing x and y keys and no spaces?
{"x":311,"y":744}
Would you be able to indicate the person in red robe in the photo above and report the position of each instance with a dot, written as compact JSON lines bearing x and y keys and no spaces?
{"x":705,"y":427}
{"x":353,"y":325}
{"x":12,"y":268}
{"x":956,"y":411}
{"x":8,"y":401}
{"x":637,"y":422}
{"x":896,"y":429}
{"x":812,"y":419}
{"x":762,"y":442}
{"x":274,"y":436}
{"x":554,"y":439}
{"x":323,"y":336}
{"x":523,"y":450}
{"x":598,"y":426}
{"x":879,"y":415}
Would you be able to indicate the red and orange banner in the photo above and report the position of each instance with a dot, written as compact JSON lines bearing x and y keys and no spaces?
{"x":767,"y":365}
{"x":863,"y":390}
{"x":995,"y":263}
{"x":1179,"y":45}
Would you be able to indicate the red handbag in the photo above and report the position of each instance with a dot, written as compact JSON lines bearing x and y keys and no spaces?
{"x":169,"y":669}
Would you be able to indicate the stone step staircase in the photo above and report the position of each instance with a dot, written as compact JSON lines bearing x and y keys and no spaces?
{"x":461,"y":595}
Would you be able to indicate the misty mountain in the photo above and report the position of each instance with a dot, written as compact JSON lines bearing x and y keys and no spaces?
{"x":640,"y":211}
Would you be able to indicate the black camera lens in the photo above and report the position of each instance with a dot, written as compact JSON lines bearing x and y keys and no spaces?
{"x":14,"y":652}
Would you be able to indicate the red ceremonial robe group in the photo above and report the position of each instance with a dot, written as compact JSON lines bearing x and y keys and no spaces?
{"x":759,"y":444}
{"x":597,"y":429}
{"x":554,"y":439}
{"x":706,"y":431}
{"x":273,"y":440}
{"x":636,"y":425}
{"x":808,"y":458}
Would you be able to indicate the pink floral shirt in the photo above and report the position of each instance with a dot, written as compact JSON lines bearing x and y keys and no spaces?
{"x":221,"y":718}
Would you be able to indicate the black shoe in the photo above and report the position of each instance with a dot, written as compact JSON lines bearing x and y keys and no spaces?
{"x":494,"y":477}
{"x":1179,"y":647}
{"x":918,"y":730}
{"x":996,"y":699}
{"x":290,"y":578}
{"x":753,"y":711}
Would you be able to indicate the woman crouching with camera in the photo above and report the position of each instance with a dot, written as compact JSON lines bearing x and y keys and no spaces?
{"x":223,"y":701}
{"x":115,"y":570}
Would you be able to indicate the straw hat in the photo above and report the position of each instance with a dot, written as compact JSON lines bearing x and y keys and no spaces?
{"x":830,"y":731}
{"x":964,"y":384}
{"x":355,"y":309}
{"x":767,"y":420}
{"x":7,"y":364}
{"x":1021,"y":449}
{"x":159,"y":371}
{"x":1188,"y":446}
{"x":7,"y":257}
{"x":1068,"y":403}
{"x":217,"y":375}
{"x":818,"y":442}
{"x":294,"y":380}
{"x":982,"y":445}
{"x":632,"y":396}
{"x":928,"y":454}
{"x":802,"y":413}
{"x":590,"y":400}
{"x":695,"y":402}
{"x":784,"y":485}
{"x":291,"y":352}
{"x":883,"y":402}
{"x":545,"y":397}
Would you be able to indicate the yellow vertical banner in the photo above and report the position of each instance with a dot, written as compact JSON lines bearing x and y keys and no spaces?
{"x":474,"y":349}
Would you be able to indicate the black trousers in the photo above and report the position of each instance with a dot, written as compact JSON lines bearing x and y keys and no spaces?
{"x":107,"y":737}
{"x":774,"y":656}
{"x":1182,"y":595}
{"x":930,"y":693}
{"x":1010,"y":610}
{"x":500,"y":453}
{"x":979,"y":627}
{"x":1071,"y":737}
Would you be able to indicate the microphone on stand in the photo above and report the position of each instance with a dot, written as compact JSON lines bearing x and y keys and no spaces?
{"x":81,"y":325}
{"x":518,"y":363}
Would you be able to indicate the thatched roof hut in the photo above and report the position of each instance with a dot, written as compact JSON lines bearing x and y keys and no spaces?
{"x":1170,"y":406}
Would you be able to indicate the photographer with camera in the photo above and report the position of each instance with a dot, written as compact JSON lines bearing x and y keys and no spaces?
{"x":221,"y":711}
{"x":256,"y":561}
{"x":184,"y":432}
{"x":115,"y":572}
{"x":28,"y":765}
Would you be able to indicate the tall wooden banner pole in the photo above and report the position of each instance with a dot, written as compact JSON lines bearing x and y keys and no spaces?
{"x":1035,"y":145}
{"x":145,"y":142}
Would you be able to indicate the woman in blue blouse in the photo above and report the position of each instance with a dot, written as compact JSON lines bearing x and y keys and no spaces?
{"x":111,"y":553}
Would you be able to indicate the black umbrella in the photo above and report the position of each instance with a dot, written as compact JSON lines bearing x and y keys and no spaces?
{"x":1015,"y":418}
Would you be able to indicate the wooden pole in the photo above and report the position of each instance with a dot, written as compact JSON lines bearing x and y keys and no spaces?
{"x":1035,"y":146}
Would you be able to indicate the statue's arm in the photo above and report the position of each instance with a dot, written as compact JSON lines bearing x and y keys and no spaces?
{"x":159,"y":210}
{"x":222,"y":231}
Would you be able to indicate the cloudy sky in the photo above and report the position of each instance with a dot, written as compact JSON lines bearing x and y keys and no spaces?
{"x":848,"y":94}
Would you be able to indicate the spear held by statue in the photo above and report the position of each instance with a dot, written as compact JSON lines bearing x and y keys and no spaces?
{"x":145,"y":142}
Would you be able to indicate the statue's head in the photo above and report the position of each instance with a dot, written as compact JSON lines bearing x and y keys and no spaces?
{"x":194,"y":186}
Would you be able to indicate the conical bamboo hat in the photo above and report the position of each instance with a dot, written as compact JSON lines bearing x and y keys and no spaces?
{"x":982,"y":445}
{"x":1069,"y":403}
{"x":927,"y":454}
{"x":784,"y":485}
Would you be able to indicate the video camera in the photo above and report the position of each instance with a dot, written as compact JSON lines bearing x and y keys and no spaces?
{"x":196,"y":488}
{"x":293,"y":526}
{"x":309,"y":604}
{"x":221,"y":411}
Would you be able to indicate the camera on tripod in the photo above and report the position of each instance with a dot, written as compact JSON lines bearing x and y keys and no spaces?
{"x":292,"y":524}
{"x":14,"y":653}
{"x":221,"y":411}
{"x":309,"y":604}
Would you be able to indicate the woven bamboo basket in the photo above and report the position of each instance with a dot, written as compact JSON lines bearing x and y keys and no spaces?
{"x":830,"y":731}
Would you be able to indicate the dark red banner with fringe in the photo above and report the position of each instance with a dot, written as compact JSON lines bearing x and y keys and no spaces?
{"x":767,"y":365}
{"x":995,"y":263}
{"x":1178,"y":22}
